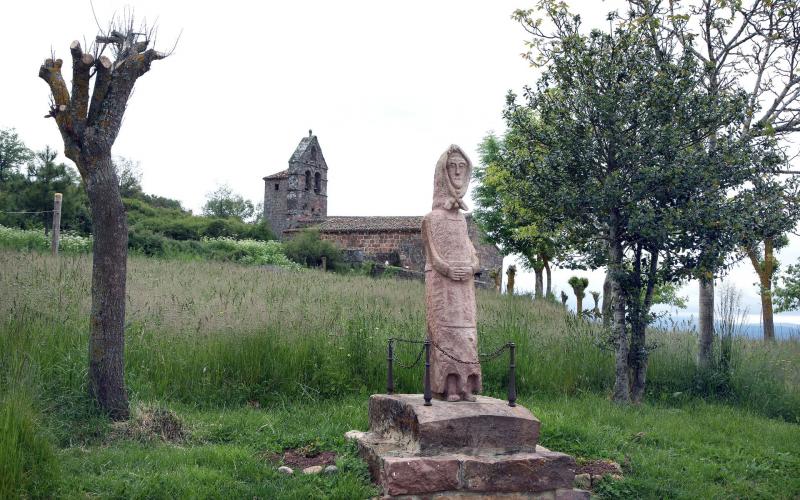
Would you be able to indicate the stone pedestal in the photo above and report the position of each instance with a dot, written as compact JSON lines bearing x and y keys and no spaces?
{"x":454,"y":450}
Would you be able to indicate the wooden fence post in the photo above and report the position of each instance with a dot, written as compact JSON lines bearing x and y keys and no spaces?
{"x":56,"y":224}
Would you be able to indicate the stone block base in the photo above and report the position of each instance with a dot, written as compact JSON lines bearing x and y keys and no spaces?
{"x":461,"y":450}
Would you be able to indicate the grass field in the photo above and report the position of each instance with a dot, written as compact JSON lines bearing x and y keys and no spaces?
{"x":211,"y":341}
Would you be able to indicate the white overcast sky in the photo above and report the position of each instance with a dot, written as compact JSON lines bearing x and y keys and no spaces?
{"x":386,"y":86}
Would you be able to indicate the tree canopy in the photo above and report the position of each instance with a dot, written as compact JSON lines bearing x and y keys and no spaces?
{"x":223,"y":202}
{"x":610,"y":152}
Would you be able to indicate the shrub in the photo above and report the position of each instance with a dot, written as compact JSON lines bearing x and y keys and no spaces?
{"x":308,"y":248}
{"x":32,"y":239}
{"x":247,"y":251}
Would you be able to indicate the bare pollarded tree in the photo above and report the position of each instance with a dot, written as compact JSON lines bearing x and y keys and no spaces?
{"x":89,"y":116}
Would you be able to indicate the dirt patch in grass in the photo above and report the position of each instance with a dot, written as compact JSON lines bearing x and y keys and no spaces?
{"x":598,"y":468}
{"x":297,"y":460}
{"x":151,"y":424}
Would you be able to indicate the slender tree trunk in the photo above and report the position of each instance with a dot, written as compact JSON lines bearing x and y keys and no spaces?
{"x":766,"y":309}
{"x":579,"y":305}
{"x":621,"y":379}
{"x":638,"y":358}
{"x":765,"y":270}
{"x":109,"y":261}
{"x":638,"y":361}
{"x":705,"y":323}
{"x":539,"y":272}
{"x":607,"y":301}
{"x":548,"y":290}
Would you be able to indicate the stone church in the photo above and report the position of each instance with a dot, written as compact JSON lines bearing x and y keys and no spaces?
{"x":297,"y":198}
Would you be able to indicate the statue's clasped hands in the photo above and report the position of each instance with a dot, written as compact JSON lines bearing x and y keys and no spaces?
{"x":458,"y":273}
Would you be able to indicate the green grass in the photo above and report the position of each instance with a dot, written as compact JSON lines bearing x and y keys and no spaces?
{"x":225,"y":456}
{"x":206,"y":338}
{"x":692,"y":450}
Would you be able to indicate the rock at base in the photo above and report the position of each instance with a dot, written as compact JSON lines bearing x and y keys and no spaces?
{"x":461,"y":450}
{"x":285,"y":470}
{"x":485,"y":425}
{"x":314,"y":469}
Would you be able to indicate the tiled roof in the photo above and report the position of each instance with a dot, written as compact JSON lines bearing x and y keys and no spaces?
{"x":371,"y":224}
{"x":278,"y":175}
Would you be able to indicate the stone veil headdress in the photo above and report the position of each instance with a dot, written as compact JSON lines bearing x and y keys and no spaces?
{"x":445,"y":194}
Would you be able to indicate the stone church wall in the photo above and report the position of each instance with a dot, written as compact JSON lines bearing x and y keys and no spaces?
{"x":403,"y":248}
{"x":399,"y":248}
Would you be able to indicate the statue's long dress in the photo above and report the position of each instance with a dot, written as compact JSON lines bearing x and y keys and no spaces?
{"x":451,"y":305}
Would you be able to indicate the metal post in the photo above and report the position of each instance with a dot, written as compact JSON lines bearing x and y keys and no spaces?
{"x":56,"y":224}
{"x":427,"y":380}
{"x":389,"y":372}
{"x":512,"y":379}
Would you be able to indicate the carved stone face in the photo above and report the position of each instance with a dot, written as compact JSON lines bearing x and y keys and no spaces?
{"x":457,"y":170}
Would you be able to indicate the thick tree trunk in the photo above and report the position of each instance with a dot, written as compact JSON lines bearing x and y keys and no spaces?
{"x":705,"y":322}
{"x":621,"y":380}
{"x":109,"y":261}
{"x":607,"y":301}
{"x":539,"y":272}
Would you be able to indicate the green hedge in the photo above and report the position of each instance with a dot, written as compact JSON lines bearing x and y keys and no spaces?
{"x":177,"y":224}
{"x":245,"y":251}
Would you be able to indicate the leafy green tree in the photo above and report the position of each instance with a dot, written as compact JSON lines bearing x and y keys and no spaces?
{"x":45,"y":177}
{"x":223,"y":202}
{"x":729,"y":39}
{"x":503,"y":216}
{"x":596,"y":309}
{"x":622,"y":129}
{"x":787,"y":295}
{"x":308,"y":248}
{"x":130,"y":177}
{"x":579,"y":289}
{"x":13,"y":154}
{"x":511,"y":273}
{"x":770,"y":209}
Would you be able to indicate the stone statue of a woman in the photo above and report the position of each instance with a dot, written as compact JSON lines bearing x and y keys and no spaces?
{"x":451,"y":263}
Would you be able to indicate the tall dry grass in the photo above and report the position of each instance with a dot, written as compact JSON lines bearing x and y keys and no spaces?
{"x":210,"y":333}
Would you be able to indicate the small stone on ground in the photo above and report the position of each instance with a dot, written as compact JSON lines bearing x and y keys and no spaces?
{"x":583,"y":481}
{"x":315,"y":469}
{"x":352,"y":435}
{"x":331,"y":469}
{"x":285,"y":470}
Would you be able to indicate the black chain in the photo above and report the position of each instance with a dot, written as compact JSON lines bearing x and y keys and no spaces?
{"x":412,"y":365}
{"x":438,"y":348}
{"x":485,"y":357}
{"x":496,"y":354}
{"x":419,"y":354}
